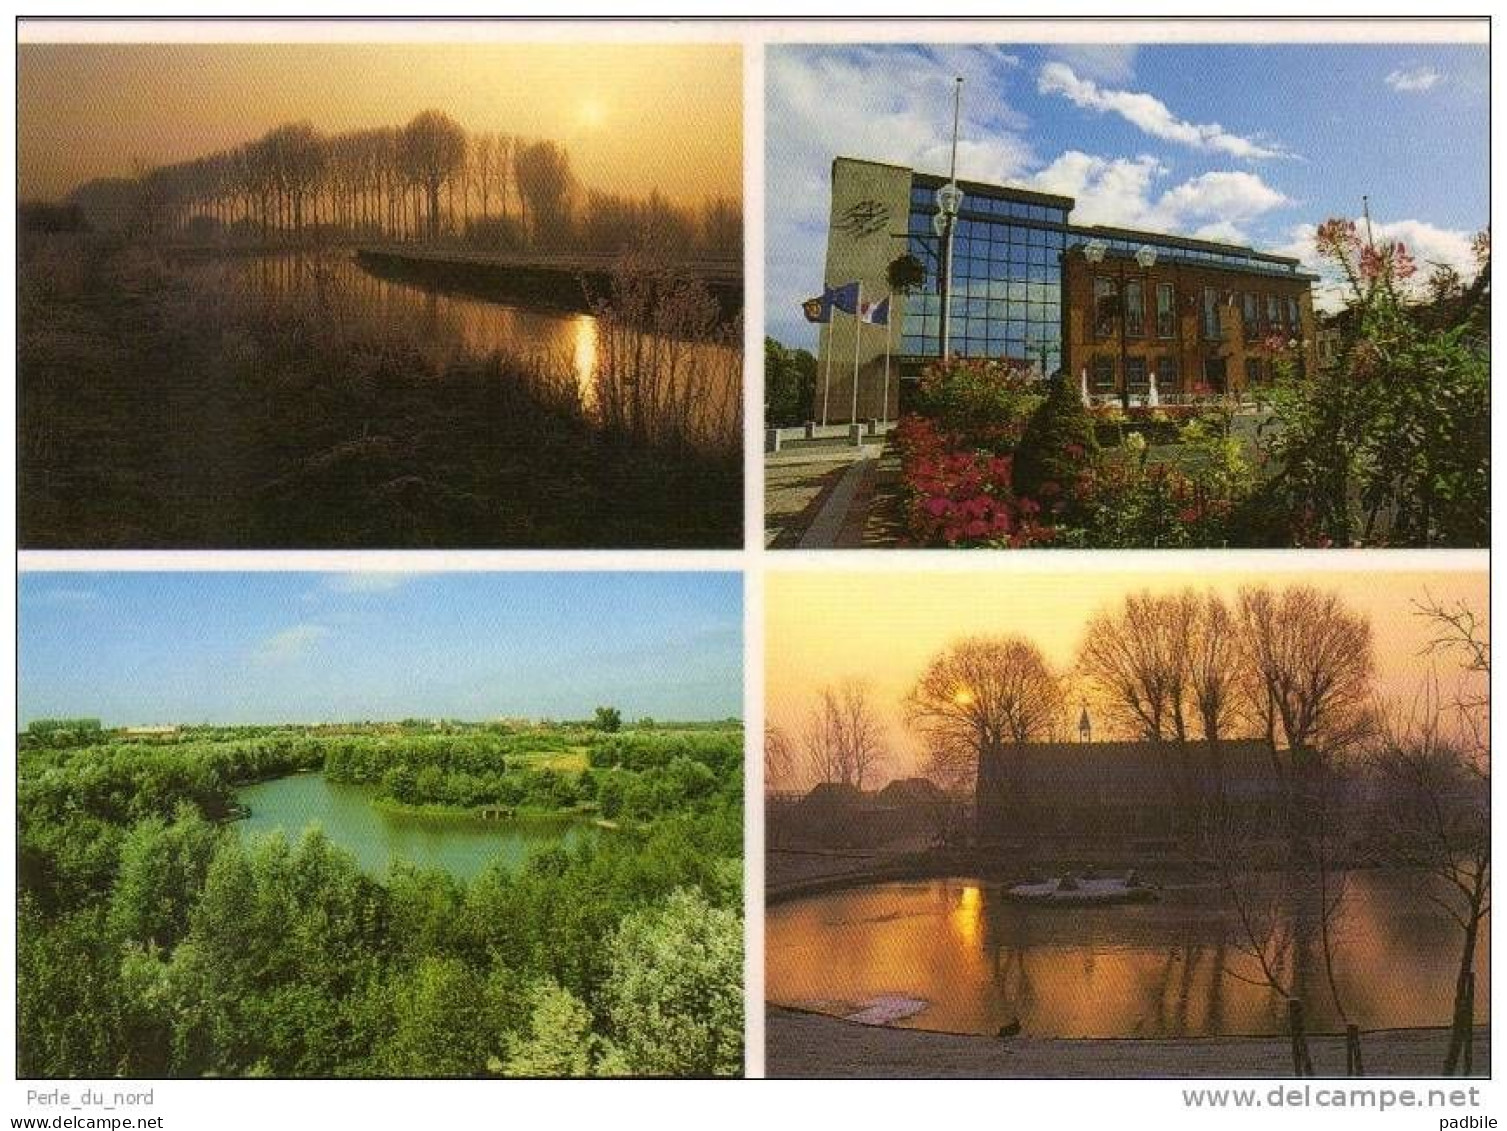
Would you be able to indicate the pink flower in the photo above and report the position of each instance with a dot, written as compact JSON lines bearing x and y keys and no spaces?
{"x":1337,"y":238}
{"x":1387,"y":260}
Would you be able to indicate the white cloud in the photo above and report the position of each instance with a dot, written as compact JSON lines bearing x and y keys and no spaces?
{"x":1121,"y":192}
{"x":893,"y":105}
{"x":879,"y":103}
{"x":1102,"y":62}
{"x":290,"y":645}
{"x":1150,"y":114}
{"x":1427,"y":243}
{"x":1414,"y":79}
{"x":1218,"y":197}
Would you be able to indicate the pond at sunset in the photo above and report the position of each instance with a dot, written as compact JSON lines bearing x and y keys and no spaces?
{"x":954,"y":955}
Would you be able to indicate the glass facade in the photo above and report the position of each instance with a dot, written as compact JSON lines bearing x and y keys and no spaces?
{"x":1168,"y":250}
{"x":1006,"y":278}
{"x":1008,"y":252}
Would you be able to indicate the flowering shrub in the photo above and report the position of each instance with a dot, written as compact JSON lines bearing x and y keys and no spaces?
{"x":985,"y":402}
{"x":1049,"y":482}
{"x":955,"y":496}
{"x":1189,"y":497}
{"x":1391,"y":446}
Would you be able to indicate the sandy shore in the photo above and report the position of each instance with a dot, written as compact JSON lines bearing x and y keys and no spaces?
{"x":808,"y":1044}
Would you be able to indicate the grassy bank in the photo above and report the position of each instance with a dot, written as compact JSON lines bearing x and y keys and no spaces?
{"x":157,"y":413}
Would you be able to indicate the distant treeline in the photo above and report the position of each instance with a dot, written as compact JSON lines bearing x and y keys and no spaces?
{"x":428,"y":180}
{"x":641,"y":776}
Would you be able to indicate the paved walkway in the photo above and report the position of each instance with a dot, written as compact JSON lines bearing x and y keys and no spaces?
{"x":831,"y":495}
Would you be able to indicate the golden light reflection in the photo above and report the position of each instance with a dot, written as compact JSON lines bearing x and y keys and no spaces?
{"x":584,"y":351}
{"x":1162,"y":970}
{"x":963,"y":697}
{"x":967,"y":917}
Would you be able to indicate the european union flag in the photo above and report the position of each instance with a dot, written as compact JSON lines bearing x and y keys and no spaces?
{"x":843,"y":298}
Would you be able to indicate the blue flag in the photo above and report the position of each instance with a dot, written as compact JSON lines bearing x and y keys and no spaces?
{"x":843,"y":298}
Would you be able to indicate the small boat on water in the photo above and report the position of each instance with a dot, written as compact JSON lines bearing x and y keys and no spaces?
{"x":1084,"y":891}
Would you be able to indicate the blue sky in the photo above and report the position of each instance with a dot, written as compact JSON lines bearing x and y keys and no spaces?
{"x":1254,"y":143}
{"x":144,"y":648}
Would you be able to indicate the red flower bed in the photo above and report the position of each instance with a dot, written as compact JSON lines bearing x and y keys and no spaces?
{"x":955,"y":496}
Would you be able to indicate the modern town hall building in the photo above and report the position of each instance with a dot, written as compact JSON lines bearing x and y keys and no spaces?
{"x":1109,"y":306}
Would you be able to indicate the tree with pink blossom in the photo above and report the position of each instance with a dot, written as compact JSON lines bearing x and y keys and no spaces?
{"x":1390,"y":446}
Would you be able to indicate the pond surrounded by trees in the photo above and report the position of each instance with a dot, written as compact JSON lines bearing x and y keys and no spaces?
{"x":954,"y":955}
{"x":460,"y":845}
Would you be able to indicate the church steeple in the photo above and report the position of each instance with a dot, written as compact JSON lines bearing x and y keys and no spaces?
{"x":1085,"y":726}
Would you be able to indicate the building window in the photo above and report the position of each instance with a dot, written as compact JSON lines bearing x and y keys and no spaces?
{"x":1135,"y":310}
{"x":1294,"y":321}
{"x":1211,"y":313}
{"x":1252,"y":372}
{"x":1166,"y":311}
{"x":1249,"y":317}
{"x":1273,"y":314}
{"x":1214,"y":374}
{"x":1135,"y":375}
{"x":1106,"y":305}
{"x":1166,"y":374}
{"x":1103,"y":373}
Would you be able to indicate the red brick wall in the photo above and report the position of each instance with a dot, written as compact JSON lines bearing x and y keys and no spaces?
{"x":1187,"y":344}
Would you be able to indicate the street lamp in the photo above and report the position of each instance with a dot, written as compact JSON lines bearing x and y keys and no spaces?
{"x":1094,"y":252}
{"x":949,"y":203}
{"x":1146,"y":256}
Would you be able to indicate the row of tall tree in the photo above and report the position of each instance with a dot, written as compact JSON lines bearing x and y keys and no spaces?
{"x":1293,"y":667}
{"x":430,"y":179}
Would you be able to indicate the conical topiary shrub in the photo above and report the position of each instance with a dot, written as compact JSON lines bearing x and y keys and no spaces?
{"x":1057,"y":446}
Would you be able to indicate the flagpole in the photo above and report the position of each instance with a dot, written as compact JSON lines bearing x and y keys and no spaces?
{"x":827,"y":383}
{"x":857,"y":337}
{"x":889,"y":321}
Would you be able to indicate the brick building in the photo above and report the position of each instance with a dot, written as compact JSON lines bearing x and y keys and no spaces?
{"x":1111,"y":306}
{"x":1117,"y":791}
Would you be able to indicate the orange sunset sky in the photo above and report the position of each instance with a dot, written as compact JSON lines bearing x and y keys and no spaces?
{"x":884,"y":626}
{"x":634,"y":116}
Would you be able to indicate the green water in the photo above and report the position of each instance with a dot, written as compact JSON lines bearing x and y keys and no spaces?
{"x":461,"y":846}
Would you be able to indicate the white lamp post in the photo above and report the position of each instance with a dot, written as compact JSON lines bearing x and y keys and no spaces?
{"x":944,"y":223}
{"x":1146,"y":256}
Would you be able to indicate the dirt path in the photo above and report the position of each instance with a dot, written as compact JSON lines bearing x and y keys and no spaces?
{"x":813,"y":1045}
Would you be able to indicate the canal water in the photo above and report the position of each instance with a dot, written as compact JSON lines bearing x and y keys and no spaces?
{"x":462,"y":846}
{"x":448,"y":326}
{"x":955,"y":956}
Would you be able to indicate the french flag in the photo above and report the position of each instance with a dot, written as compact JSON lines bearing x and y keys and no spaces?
{"x":875,"y":313}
